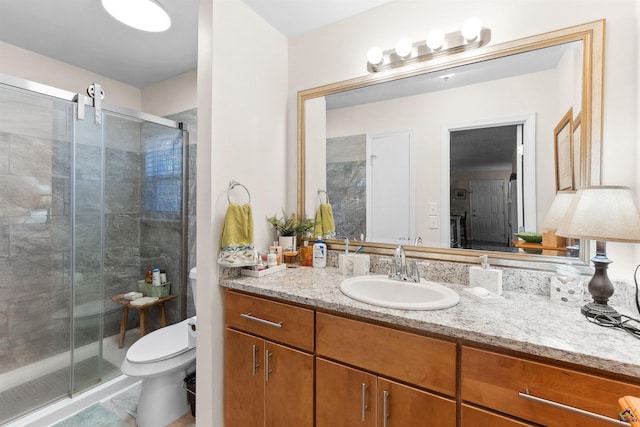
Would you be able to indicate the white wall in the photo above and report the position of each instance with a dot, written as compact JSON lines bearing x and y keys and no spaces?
{"x":242,"y":104}
{"x":168,"y":97}
{"x":338,"y":52}
{"x":32,"y":66}
{"x":171,"y":96}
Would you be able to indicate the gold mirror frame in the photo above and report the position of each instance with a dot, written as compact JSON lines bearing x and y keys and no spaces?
{"x":592,"y":36}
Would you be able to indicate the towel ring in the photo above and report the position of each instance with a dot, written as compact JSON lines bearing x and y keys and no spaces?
{"x":326,"y":195}
{"x":234,"y":184}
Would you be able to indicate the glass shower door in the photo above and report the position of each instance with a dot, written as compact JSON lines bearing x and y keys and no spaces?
{"x":35,"y":249}
{"x":88,"y":238}
{"x":128,"y":218}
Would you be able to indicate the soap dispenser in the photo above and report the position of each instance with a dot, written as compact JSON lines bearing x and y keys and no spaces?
{"x":486,"y":277}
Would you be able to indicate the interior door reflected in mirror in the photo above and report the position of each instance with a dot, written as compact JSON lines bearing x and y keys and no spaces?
{"x":478,"y":162}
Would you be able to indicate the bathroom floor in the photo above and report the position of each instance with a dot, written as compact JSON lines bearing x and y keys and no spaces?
{"x":118,"y":411}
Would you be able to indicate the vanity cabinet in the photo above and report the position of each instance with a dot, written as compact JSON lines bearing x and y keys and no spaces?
{"x":389,"y":379}
{"x":347,"y":396}
{"x":537,"y":392}
{"x":269,"y":363}
{"x":288,"y":365}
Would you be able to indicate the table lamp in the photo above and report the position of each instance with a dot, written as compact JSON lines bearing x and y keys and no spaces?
{"x":554,"y":218}
{"x":602,"y":213}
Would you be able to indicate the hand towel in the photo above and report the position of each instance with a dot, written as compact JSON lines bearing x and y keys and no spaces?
{"x":236,"y":237}
{"x":324,"y":226}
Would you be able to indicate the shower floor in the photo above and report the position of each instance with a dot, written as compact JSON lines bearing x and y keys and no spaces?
{"x":26,"y":396}
{"x":35,"y":393}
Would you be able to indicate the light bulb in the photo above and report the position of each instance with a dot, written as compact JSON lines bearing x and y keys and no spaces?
{"x":435,"y":39}
{"x":404,"y":48}
{"x":375,"y":55}
{"x":471,"y":28}
{"x":145,"y":15}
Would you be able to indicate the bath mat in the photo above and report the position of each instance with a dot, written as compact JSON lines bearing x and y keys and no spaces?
{"x":94,"y":416}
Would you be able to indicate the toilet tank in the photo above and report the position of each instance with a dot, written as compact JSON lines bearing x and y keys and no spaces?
{"x":193,"y":274}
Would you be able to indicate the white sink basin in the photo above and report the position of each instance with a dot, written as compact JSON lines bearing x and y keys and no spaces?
{"x":384,"y":292}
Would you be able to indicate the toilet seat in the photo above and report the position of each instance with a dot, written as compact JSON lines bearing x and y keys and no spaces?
{"x":163,"y":343}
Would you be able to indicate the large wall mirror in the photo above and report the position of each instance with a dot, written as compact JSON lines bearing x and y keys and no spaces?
{"x":453,"y":156}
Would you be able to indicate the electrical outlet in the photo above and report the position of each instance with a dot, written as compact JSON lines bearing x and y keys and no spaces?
{"x":433,"y":208}
{"x":433,"y":221}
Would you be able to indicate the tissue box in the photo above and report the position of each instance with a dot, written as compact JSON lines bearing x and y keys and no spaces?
{"x":150,"y":290}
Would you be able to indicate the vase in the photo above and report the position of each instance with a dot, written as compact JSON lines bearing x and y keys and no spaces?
{"x":287,"y":242}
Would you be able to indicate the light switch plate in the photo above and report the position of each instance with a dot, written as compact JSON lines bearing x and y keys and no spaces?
{"x":433,"y":221}
{"x":433,"y":208}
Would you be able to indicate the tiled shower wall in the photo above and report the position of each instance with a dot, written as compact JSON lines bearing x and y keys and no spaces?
{"x":346,"y":184}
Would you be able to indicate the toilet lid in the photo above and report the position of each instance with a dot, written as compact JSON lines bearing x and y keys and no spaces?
{"x":161,"y":344}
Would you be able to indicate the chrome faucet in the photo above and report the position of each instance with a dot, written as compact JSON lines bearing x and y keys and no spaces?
{"x":399,"y":270}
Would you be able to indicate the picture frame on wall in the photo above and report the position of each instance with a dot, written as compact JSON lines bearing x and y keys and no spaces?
{"x":460,"y":193}
{"x":563,"y":144}
{"x":577,"y":152}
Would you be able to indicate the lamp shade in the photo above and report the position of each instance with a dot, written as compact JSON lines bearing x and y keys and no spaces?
{"x":604,"y":213}
{"x":558,"y":210}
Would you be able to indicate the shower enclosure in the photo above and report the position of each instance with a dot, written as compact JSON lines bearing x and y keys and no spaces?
{"x":91,"y":196}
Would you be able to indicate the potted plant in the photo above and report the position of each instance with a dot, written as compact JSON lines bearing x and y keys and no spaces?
{"x":288,"y":227}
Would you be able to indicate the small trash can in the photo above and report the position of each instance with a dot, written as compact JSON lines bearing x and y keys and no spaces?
{"x":190,"y":384}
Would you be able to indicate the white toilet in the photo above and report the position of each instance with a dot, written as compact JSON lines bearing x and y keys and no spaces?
{"x":163,"y":358}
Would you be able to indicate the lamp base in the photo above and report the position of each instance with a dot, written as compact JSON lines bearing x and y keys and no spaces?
{"x":594,"y":309}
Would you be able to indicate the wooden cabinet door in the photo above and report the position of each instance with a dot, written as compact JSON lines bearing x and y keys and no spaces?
{"x":244,"y":380}
{"x":345,"y":396}
{"x":288,"y":387}
{"x":401,"y":406}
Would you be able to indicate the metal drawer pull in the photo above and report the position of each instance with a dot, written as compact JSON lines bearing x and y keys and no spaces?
{"x":256,"y":365}
{"x":528,"y":396}
{"x":259,"y":320}
{"x":364,"y":401}
{"x":267,"y":370}
{"x":385,"y":408}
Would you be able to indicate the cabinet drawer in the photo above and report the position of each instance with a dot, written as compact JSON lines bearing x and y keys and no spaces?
{"x":277,"y":321}
{"x":494,"y":380}
{"x":425,"y":362}
{"x":474,"y":417}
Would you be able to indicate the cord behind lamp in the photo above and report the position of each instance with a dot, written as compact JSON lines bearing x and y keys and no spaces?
{"x":602,"y":213}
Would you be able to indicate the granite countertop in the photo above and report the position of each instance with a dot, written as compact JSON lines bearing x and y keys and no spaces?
{"x":526,"y":323}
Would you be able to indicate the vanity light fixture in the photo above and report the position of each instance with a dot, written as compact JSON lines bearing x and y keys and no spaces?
{"x":602,"y":213}
{"x":471,"y":28}
{"x":404,"y":48}
{"x":435,"y":39}
{"x":145,"y":15}
{"x":472,"y":35}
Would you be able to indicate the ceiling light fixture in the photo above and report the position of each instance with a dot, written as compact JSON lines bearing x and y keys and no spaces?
{"x":145,"y":15}
{"x":473,"y":35}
